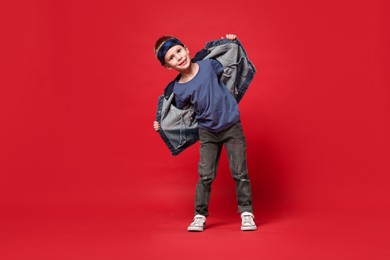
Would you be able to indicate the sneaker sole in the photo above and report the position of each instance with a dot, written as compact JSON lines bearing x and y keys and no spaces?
{"x":253,"y":228}
{"x":195,"y":229}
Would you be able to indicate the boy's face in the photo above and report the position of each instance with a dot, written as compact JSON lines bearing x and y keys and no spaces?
{"x":178,"y":58}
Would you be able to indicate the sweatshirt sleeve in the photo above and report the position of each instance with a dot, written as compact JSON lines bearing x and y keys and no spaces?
{"x":217,"y":66}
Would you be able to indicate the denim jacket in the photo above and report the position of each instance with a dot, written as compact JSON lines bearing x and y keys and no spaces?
{"x":178,"y":127}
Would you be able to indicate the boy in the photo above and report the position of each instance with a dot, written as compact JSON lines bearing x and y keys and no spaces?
{"x":216,"y":112}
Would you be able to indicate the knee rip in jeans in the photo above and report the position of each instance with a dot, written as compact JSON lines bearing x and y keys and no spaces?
{"x":206,"y":178}
{"x":241,"y":177}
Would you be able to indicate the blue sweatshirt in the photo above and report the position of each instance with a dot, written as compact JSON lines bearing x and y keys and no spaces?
{"x":215,"y":107}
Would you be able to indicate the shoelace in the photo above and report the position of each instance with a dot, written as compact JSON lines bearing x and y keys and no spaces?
{"x":198,"y":222}
{"x":247,"y":220}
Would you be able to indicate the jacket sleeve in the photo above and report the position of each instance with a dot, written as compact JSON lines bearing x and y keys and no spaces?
{"x":178,"y":128}
{"x":238,"y":69}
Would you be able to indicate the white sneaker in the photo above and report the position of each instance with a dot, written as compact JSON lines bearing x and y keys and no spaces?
{"x":198,"y":224}
{"x":247,"y":221}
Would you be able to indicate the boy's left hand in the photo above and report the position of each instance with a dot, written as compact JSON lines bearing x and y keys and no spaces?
{"x":231,"y":37}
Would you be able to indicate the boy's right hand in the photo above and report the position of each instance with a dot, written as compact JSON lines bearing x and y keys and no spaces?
{"x":156,"y":126}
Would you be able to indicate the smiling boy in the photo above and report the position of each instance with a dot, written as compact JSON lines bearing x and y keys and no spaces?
{"x":219,"y":125}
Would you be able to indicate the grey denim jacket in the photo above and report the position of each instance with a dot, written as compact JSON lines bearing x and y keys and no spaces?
{"x":178,"y":127}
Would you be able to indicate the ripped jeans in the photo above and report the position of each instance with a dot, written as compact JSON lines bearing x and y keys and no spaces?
{"x":210,"y":150}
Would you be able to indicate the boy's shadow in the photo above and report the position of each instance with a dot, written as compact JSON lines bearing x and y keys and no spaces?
{"x":268,"y":180}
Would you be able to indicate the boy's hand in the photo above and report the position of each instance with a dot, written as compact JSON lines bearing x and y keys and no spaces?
{"x":156,"y":126}
{"x":231,"y":37}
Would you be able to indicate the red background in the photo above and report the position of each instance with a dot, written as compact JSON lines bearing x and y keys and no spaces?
{"x":84,"y":176}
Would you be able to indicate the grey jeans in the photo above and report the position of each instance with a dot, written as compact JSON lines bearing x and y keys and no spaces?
{"x":210,"y":150}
